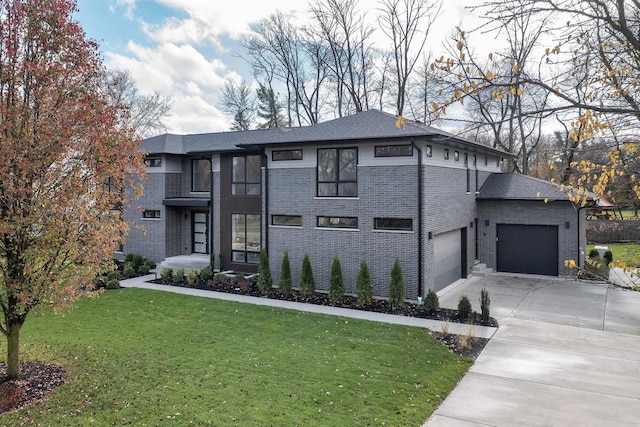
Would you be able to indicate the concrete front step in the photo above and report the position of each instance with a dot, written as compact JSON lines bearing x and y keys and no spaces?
{"x":188,"y":262}
{"x":481,"y":270}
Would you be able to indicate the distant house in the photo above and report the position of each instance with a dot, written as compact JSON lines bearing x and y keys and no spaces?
{"x":358,"y":188}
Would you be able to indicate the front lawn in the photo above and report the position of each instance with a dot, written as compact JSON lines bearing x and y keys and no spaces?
{"x":143,"y":357}
{"x":627,"y":252}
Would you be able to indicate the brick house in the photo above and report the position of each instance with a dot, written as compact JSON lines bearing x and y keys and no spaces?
{"x":358,"y":188}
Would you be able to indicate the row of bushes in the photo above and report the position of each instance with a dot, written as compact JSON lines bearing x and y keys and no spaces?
{"x":134,"y":265}
{"x":432,"y":304}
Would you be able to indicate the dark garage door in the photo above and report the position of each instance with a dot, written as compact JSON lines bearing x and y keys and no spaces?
{"x":529,"y":249}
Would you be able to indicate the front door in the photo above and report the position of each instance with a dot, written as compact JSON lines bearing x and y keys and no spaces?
{"x":200,"y":228}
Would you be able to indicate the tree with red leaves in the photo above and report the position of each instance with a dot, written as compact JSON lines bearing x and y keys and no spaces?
{"x":67,"y":162}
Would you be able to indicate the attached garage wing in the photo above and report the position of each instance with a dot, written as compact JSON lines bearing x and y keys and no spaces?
{"x":528,"y":249}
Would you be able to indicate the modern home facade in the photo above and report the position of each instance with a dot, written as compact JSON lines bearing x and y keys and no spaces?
{"x":357,"y":188}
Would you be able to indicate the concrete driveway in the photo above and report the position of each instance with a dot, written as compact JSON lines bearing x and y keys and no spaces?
{"x":567,"y":353}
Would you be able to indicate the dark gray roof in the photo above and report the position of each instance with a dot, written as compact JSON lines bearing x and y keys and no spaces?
{"x":369,"y":125}
{"x":512,"y":186}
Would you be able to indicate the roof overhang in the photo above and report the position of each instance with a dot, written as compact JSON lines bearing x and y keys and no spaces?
{"x":186,"y":201}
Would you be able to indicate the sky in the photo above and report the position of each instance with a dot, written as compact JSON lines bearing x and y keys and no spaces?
{"x":185,"y":49}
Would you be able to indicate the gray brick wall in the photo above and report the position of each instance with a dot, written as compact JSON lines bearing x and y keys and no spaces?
{"x":531,"y":213}
{"x":382,"y":192}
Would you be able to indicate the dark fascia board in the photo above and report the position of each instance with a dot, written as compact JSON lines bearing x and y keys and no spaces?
{"x":186,"y":201}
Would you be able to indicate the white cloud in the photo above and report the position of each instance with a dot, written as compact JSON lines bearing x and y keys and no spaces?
{"x":129,"y":7}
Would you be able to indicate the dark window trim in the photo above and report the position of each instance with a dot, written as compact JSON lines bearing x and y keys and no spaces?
{"x":338,"y":181}
{"x":193,"y":176}
{"x":153,"y":162}
{"x":429,"y":151}
{"x":339,"y":219}
{"x":378,"y":150}
{"x":291,"y":152}
{"x":282,"y":224}
{"x":246,"y":251}
{"x":246,"y":183}
{"x":456,"y":156}
{"x":446,"y":154}
{"x":151,"y":214}
{"x":378,"y":224}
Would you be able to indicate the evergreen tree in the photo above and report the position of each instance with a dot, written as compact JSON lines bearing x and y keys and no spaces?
{"x":364,"y":288}
{"x":285,"y":284}
{"x":396,"y":286}
{"x":269,"y":108}
{"x":307,"y":283}
{"x":264,"y":273}
{"x":336,"y":284}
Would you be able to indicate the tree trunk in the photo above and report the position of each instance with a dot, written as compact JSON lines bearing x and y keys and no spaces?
{"x":13,"y":350}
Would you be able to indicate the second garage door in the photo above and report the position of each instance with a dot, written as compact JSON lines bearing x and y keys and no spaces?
{"x":529,"y":249}
{"x":447,"y":257}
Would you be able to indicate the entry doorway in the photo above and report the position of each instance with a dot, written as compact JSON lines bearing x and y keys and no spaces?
{"x":200,"y":232}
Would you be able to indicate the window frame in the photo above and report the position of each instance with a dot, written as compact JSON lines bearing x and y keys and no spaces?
{"x":429,"y":151}
{"x":390,"y":149}
{"x":337,"y":226}
{"x":378,"y":227}
{"x":446,"y":154}
{"x":246,"y":184}
{"x":197,"y":172}
{"x":246,"y":251}
{"x":274,"y":159}
{"x":146,"y":214}
{"x":338,"y":181}
{"x":283,"y":223}
{"x":153,"y":162}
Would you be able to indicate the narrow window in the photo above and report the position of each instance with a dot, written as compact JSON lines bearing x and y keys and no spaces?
{"x":456,"y":156}
{"x":337,"y":172}
{"x":283,"y":155}
{"x":446,"y":154}
{"x":468,"y":180}
{"x":287,"y":220}
{"x":246,"y":240}
{"x":245,"y":179}
{"x":337,"y":222}
{"x":151,"y":214}
{"x":153,"y":162}
{"x":477,"y":183}
{"x":466,"y":160}
{"x":405,"y":150}
{"x":200,"y":176}
{"x":395,"y":224}
{"x":429,"y":151}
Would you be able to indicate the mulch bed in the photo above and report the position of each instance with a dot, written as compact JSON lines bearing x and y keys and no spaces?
{"x":37,"y":380}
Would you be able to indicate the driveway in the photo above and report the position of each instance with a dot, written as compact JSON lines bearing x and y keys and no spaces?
{"x":567,"y":353}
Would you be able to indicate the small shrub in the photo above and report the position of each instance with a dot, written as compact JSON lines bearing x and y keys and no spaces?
{"x":192,"y":277}
{"x":364,"y":288}
{"x":336,"y":283}
{"x":485,"y":301}
{"x":150,"y":263}
{"x":143,"y":269}
{"x":431,"y":302}
{"x":286,"y":283}
{"x":112,"y":284}
{"x":396,"y":286}
{"x":307,"y":283}
{"x":237,"y":278}
{"x":128,"y":271}
{"x":100,"y":282}
{"x":593,"y":253}
{"x":464,"y":307}
{"x":113,"y":275}
{"x":166,"y":274}
{"x":129,"y":257}
{"x":608,"y":256}
{"x":221,"y":278}
{"x":178,"y":275}
{"x":137,"y":261}
{"x":206,"y":273}
{"x":444,"y":327}
{"x":264,"y":273}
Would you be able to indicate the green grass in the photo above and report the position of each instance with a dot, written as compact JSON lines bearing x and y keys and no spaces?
{"x":627,"y":252}
{"x":144,"y":357}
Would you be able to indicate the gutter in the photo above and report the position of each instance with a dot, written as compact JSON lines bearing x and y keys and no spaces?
{"x":420,"y":208}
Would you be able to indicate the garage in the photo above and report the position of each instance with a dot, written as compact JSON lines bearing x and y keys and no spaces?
{"x":448,"y":258}
{"x":528,"y":249}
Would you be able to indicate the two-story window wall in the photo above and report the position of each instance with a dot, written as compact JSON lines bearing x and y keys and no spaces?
{"x":200,"y":176}
{"x":337,"y":172}
{"x":245,"y":176}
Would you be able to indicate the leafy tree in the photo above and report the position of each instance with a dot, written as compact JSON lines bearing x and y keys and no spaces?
{"x":66,"y":154}
{"x":336,"y":284}
{"x":396,"y":286}
{"x":286,"y":283}
{"x":264,"y":273}
{"x":364,"y":288}
{"x":307,"y":283}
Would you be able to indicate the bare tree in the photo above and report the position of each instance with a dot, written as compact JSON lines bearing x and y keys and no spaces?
{"x":237,"y":101}
{"x":144,"y":113}
{"x":407,"y":24}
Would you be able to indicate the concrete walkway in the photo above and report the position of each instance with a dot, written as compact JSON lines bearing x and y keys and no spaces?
{"x":434,"y":325}
{"x":567,"y":353}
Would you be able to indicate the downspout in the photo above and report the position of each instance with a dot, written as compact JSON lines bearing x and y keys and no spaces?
{"x":420,"y":260}
{"x":266,"y":201}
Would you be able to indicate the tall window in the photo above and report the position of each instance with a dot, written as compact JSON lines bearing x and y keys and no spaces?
{"x":245,"y":179}
{"x":245,"y":238}
{"x":337,"y":172}
{"x":200,"y":176}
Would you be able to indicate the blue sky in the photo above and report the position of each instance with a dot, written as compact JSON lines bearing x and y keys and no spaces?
{"x":186,"y":49}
